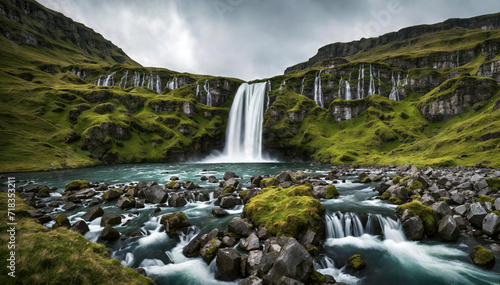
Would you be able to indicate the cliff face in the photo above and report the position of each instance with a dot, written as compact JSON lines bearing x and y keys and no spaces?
{"x":486,"y":22}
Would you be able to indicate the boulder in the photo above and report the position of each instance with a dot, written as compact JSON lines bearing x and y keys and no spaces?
{"x":461,"y":210}
{"x":448,"y":229}
{"x":85,"y":193}
{"x":256,"y":179}
{"x":219,"y":213}
{"x":111,"y":194}
{"x":209,"y":251}
{"x":497,"y":204}
{"x":61,"y":220}
{"x":476,"y":214}
{"x":213,"y":179}
{"x":253,"y":262}
{"x":228,"y":175}
{"x":155,"y":194}
{"x":125,"y":202}
{"x":112,"y":220}
{"x":491,"y":224}
{"x":356,"y":262}
{"x":289,"y":281}
{"x":263,"y":233}
{"x":70,"y":206}
{"x":231,"y":182}
{"x":229,"y":264}
{"x":109,"y":233}
{"x":293,"y":262}
{"x":458,"y":198}
{"x":252,"y":280}
{"x":189,"y":185}
{"x":176,"y":200}
{"x":192,"y":249}
{"x":239,"y":226}
{"x":413,"y":228}
{"x":268,"y":261}
{"x":228,"y":241}
{"x":441,"y":208}
{"x":482,"y":257}
{"x":229,"y":202}
{"x":175,"y":223}
{"x":76,"y":185}
{"x":80,"y":227}
{"x":93,"y":214}
{"x":401,"y":193}
{"x":174,"y":178}
{"x":284,"y":176}
{"x":250,"y":243}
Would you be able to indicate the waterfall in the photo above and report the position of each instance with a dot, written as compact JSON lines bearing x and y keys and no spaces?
{"x":282,"y":85}
{"x":394,"y":92}
{"x":123,"y":80}
{"x":341,"y":225}
{"x":302,"y":87}
{"x":136,"y":79}
{"x":244,"y":127}
{"x":318,"y":94}
{"x":347,"y":91}
{"x":458,"y":59}
{"x":197,"y":89}
{"x":340,"y":87}
{"x":172,"y":83}
{"x":106,"y":80}
{"x":100,"y":80}
{"x":359,"y":83}
{"x":158,"y":84}
{"x":371,"y":89}
{"x":207,"y":89}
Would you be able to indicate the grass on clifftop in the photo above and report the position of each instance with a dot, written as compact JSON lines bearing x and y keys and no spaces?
{"x":58,"y":256}
{"x":285,"y":211}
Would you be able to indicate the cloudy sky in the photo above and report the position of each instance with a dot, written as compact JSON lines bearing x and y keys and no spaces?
{"x":250,"y":39}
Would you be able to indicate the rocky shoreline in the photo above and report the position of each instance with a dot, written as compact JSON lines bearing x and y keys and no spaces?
{"x":433,"y":202}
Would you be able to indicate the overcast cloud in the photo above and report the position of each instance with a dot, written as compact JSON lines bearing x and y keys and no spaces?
{"x":250,"y":39}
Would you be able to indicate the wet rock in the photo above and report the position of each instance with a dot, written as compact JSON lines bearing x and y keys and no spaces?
{"x":441,"y":208}
{"x":61,"y":220}
{"x":289,"y":281}
{"x":497,"y":204}
{"x":44,"y":219}
{"x":209,"y":251}
{"x":192,"y":249}
{"x":252,"y":280}
{"x":189,"y":185}
{"x":125,"y":202}
{"x":250,"y":243}
{"x":401,"y":193}
{"x":263,"y":233}
{"x":228,"y":241}
{"x":255,"y":180}
{"x":219,"y":213}
{"x":85,"y":193}
{"x":482,"y":257}
{"x":476,"y":214}
{"x":109,"y":233}
{"x":460,"y":221}
{"x":293,"y":261}
{"x":111,"y":194}
{"x":174,"y":178}
{"x":95,"y":201}
{"x":413,"y":228}
{"x":228,"y":175}
{"x":112,"y":220}
{"x":80,"y":227}
{"x":268,"y":261}
{"x":239,"y":226}
{"x":175,"y":223}
{"x":253,"y":262}
{"x":491,"y":224}
{"x":229,"y":202}
{"x":284,"y":176}
{"x":155,"y":194}
{"x":77,"y":185}
{"x":93,"y":214}
{"x":448,"y":229}
{"x":229,"y":264}
{"x":458,"y":198}
{"x":461,"y":210}
{"x":356,"y":262}
{"x":213,"y":179}
{"x":231,"y":182}
{"x":176,"y":200}
{"x":310,"y":237}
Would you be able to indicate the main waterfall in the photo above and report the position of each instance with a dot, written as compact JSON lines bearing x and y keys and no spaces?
{"x":244,"y":127}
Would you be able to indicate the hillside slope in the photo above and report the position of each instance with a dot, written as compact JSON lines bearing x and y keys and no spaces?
{"x":70,"y":98}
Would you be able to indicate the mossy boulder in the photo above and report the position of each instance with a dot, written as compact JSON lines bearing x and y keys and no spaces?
{"x":317,"y":278}
{"x":77,"y":185}
{"x":44,"y":192}
{"x":395,"y":200}
{"x":416,"y":185}
{"x":366,"y":180}
{"x":331,"y":192}
{"x":356,"y":262}
{"x":385,"y":196}
{"x":111,"y":194}
{"x":229,"y":189}
{"x":426,"y":214}
{"x":396,"y":179}
{"x":273,"y":181}
{"x":175,"y":223}
{"x":243,"y":193}
{"x":287,"y":211}
{"x":61,"y":220}
{"x":482,"y":257}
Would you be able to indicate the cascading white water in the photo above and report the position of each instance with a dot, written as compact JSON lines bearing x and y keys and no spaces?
{"x":158,"y":84}
{"x":348,"y":91}
{"x":197,"y":89}
{"x":359,"y":83}
{"x":136,"y":79}
{"x":209,"y":96}
{"x":371,"y":88}
{"x":244,"y":127}
{"x":341,"y":225}
{"x":302,"y":87}
{"x":123,"y":80}
{"x":394,"y":92}
{"x":173,"y":83}
{"x":318,"y":94}
{"x":282,"y":85}
{"x":340,"y":87}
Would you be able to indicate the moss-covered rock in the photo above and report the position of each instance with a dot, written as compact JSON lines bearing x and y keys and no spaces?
{"x":426,"y":214}
{"x":485,"y":198}
{"x":385,"y":196}
{"x":44,"y":192}
{"x":61,"y":220}
{"x":77,"y":185}
{"x":331,"y":192}
{"x":356,"y":262}
{"x":482,"y":257}
{"x":111,"y":194}
{"x":395,"y":200}
{"x":366,"y":180}
{"x":317,"y":278}
{"x":273,"y":181}
{"x":174,"y":223}
{"x":287,"y":211}
{"x":229,"y":189}
{"x":243,"y":193}
{"x":416,"y":185}
{"x":396,"y":179}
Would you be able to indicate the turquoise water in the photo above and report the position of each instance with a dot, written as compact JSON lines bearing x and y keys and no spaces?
{"x":390,"y":258}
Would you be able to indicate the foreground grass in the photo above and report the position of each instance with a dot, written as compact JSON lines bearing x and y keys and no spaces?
{"x":58,"y":256}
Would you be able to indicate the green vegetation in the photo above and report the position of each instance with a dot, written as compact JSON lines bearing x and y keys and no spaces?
{"x":396,"y":179}
{"x":59,"y":256}
{"x":285,"y":211}
{"x":356,"y":262}
{"x":385,"y":196}
{"x":483,"y":256}
{"x":229,"y":189}
{"x":331,"y":192}
{"x":493,"y":183}
{"x":395,"y":200}
{"x":485,"y":198}
{"x":416,"y":185}
{"x":317,"y":277}
{"x":426,"y":214}
{"x":77,"y":185}
{"x":273,"y":181}
{"x":244,"y":193}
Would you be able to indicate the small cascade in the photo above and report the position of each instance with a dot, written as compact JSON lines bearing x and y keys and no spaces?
{"x":341,"y":225}
{"x":392,"y":229}
{"x":361,"y":82}
{"x":327,"y":266}
{"x":206,"y":86}
{"x":318,"y":94}
{"x":340,"y":87}
{"x":136,"y":79}
{"x":406,"y":80}
{"x":348,"y":91}
{"x":394,"y":92}
{"x":158,"y":84}
{"x":302,"y":87}
{"x":172,"y":83}
{"x":150,"y":80}
{"x":100,"y":81}
{"x":79,"y":73}
{"x":282,"y":85}
{"x":123,"y":80}
{"x":197,"y":90}
{"x":371,"y":88}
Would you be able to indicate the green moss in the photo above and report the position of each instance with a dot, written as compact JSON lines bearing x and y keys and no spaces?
{"x":44,"y":191}
{"x":331,"y":192}
{"x":376,"y":179}
{"x":395,"y":200}
{"x":396,"y":179}
{"x":416,"y":185}
{"x":170,"y":217}
{"x":229,"y":189}
{"x":273,"y":181}
{"x":356,"y":262}
{"x":107,"y":193}
{"x":483,"y":256}
{"x":366,"y":180}
{"x":485,"y":198}
{"x":171,"y":184}
{"x":77,"y":185}
{"x":244,"y":193}
{"x":415,"y":197}
{"x":285,"y":211}
{"x":493,"y":183}
{"x":317,"y":277}
{"x":426,"y":214}
{"x":385,"y":196}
